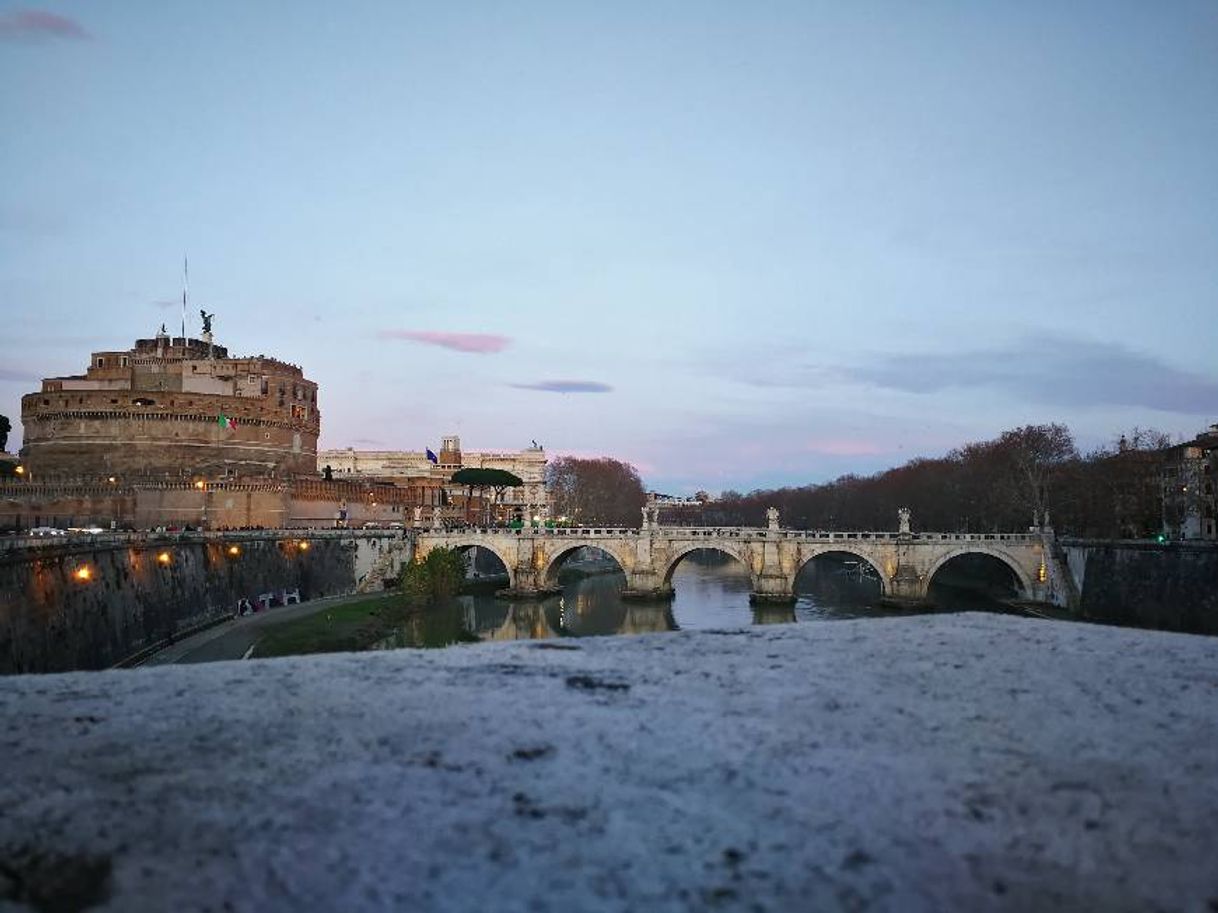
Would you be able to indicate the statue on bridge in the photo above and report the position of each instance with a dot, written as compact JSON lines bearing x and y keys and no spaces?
{"x":903,"y":517}
{"x":771,"y":517}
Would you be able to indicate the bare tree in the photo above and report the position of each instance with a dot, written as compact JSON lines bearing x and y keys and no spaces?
{"x":1034,"y":453}
{"x":599,"y":491}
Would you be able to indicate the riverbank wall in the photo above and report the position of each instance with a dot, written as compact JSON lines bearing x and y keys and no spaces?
{"x":1170,"y":586}
{"x":89,"y":604}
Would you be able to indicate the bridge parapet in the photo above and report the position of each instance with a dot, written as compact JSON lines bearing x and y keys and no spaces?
{"x":18,"y":544}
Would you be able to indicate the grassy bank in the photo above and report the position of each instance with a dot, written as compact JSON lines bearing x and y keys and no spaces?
{"x":354,"y":625}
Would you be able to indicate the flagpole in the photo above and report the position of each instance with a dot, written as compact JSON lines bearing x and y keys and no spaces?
{"x":185,"y":289}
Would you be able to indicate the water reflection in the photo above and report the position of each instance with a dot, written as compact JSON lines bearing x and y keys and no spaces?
{"x":711,"y":592}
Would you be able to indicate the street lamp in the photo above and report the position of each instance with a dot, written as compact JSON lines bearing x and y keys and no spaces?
{"x":201,"y":485}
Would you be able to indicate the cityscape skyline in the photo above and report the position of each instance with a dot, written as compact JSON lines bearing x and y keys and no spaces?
{"x":736,"y":248}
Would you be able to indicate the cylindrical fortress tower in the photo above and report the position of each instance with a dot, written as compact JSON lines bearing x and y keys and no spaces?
{"x":173,"y":408}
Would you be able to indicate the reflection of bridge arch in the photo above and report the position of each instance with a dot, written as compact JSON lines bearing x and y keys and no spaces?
{"x":869,"y":560}
{"x":523,"y":622}
{"x":684,"y":551}
{"x":554,"y":564}
{"x":1024,"y":580}
{"x":461,"y":543}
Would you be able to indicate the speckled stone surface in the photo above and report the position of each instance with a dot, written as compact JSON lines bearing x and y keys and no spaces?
{"x":961,"y":762}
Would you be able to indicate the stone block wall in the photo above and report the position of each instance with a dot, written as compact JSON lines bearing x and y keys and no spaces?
{"x":52,"y":620}
{"x":1172,"y":587}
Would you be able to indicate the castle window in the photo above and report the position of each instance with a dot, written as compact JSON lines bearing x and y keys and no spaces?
{"x":123,"y":361}
{"x":101,"y":362}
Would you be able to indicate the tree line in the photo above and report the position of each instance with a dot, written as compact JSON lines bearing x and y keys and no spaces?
{"x":1025,"y":476}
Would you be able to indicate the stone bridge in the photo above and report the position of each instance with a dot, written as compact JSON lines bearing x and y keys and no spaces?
{"x":904,"y":562}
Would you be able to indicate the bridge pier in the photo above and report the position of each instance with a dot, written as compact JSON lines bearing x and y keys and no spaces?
{"x":528,"y":583}
{"x":906,"y":588}
{"x":772,"y":590}
{"x":772,"y":584}
{"x":646,"y":584}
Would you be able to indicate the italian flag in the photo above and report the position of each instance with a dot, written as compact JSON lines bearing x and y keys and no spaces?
{"x":225,"y":421}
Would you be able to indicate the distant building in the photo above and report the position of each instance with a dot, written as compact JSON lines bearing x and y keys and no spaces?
{"x":411,"y":466}
{"x":1188,"y":477}
{"x":170,"y":408}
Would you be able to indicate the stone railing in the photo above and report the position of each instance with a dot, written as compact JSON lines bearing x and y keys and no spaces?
{"x":9,"y":544}
{"x":734,"y":532}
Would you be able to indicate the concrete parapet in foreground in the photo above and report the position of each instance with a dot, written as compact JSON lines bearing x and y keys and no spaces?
{"x":960,"y":762}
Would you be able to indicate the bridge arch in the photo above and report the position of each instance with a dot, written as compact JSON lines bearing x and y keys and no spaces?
{"x":462,"y":543}
{"x":1012,"y":564}
{"x":554,"y":562}
{"x":685,"y":550}
{"x":860,"y":554}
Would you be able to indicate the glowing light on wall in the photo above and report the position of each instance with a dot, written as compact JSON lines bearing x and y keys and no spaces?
{"x":164,"y":558}
{"x":84,"y":573}
{"x":234,"y":551}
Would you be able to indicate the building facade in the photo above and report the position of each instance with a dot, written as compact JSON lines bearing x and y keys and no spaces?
{"x":403,"y":467}
{"x":1190,"y":471}
{"x":173,"y":408}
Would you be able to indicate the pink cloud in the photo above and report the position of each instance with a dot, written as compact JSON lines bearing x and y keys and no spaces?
{"x":35,"y":24}
{"x":478,"y":343}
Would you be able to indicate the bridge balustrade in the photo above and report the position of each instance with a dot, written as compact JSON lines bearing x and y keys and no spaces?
{"x":103,"y":540}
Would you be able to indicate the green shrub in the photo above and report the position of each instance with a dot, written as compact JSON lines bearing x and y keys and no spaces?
{"x":438,"y":576}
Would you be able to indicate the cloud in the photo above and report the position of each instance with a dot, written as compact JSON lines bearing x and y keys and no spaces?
{"x":35,"y":25}
{"x":565,"y":386}
{"x":477,"y":343}
{"x":166,"y":303}
{"x":1060,"y":372}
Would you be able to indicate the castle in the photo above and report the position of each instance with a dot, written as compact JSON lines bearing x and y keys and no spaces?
{"x":173,"y":408}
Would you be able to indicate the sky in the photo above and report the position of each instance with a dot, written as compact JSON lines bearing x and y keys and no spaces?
{"x":735,"y":244}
